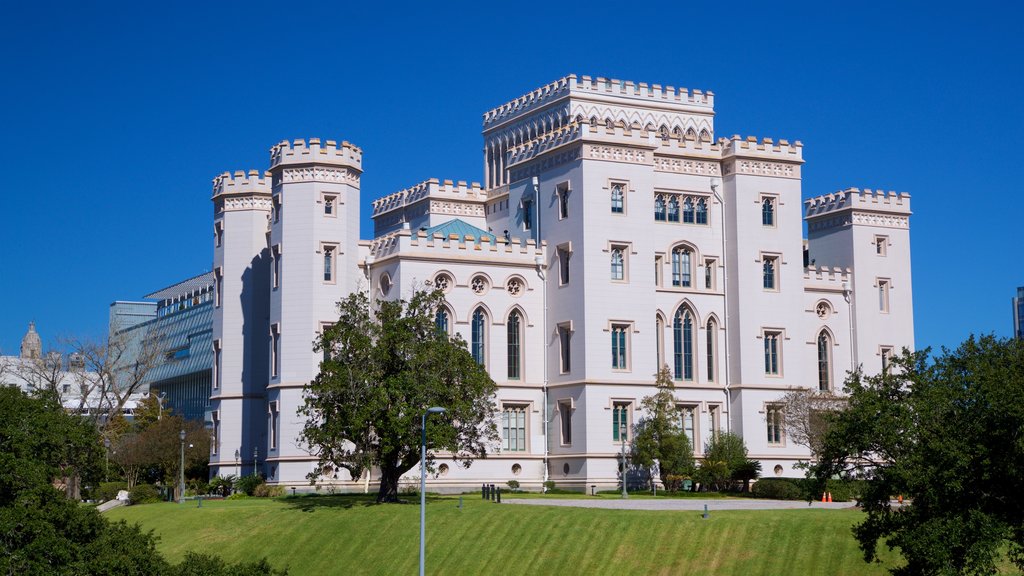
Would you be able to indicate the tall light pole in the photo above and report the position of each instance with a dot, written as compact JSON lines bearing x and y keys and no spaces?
{"x":423,"y":485}
{"x":181,"y":470}
{"x":237,"y":455}
{"x":255,"y":460}
{"x":160,"y":405}
{"x":622,"y":437}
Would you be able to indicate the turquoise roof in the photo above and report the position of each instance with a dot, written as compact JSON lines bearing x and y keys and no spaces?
{"x":460,"y":228}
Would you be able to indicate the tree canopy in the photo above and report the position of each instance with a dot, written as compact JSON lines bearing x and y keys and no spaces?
{"x":384,"y":365}
{"x":659,"y":436}
{"x":947,"y":435}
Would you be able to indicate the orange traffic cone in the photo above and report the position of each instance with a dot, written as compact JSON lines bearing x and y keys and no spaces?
{"x":830,"y":497}
{"x":823,"y":497}
{"x":900,"y":499}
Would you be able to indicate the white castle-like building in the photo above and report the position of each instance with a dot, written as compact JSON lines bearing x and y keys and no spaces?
{"x":615,"y":233}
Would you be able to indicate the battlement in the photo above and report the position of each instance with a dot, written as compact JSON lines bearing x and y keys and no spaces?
{"x":824,"y":275}
{"x":751,"y":145}
{"x":857,"y":199}
{"x":242,"y":183}
{"x":313,"y":152}
{"x":415,"y":243}
{"x":433,"y":188}
{"x":599,"y":86}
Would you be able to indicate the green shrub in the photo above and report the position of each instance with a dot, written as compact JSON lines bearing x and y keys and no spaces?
{"x":844,"y":490}
{"x":549,"y":485}
{"x":238,"y":496}
{"x":144,"y":494}
{"x":109,"y":490}
{"x":248,"y":484}
{"x":779,"y":489}
{"x":673,"y":482}
{"x":267,"y":491}
{"x":513,"y":485}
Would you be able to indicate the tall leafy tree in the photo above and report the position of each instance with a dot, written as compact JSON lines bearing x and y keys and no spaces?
{"x":659,"y":436}
{"x":384,"y":365}
{"x":948,"y":435}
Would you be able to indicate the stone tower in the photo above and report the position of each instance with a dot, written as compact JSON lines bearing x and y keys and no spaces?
{"x":31,"y":344}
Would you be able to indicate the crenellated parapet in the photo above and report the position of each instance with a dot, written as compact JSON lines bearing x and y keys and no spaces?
{"x":761,"y":157}
{"x":612,"y":86}
{"x":316,"y":161}
{"x":826,"y":277}
{"x":434,"y":189}
{"x":413,"y":244}
{"x":856,"y":206}
{"x":242,"y":191}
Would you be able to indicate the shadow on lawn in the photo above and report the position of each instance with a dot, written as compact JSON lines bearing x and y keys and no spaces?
{"x":311,"y":502}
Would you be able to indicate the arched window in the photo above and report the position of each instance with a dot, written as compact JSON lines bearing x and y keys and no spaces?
{"x":514,"y":331}
{"x":617,"y":199}
{"x":659,"y":208}
{"x":618,"y":268}
{"x":711,"y":347}
{"x":773,"y":416}
{"x":673,"y":209}
{"x":681,"y":272}
{"x":702,"y":211}
{"x":479,"y":335}
{"x":768,"y":273}
{"x":688,"y":212}
{"x":768,"y":212}
{"x":824,"y":362}
{"x":682,"y":331}
{"x":659,"y":346}
{"x":441,"y":321}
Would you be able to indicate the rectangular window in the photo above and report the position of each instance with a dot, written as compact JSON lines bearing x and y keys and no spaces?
{"x":218,"y":234}
{"x":564,"y":344}
{"x":772,"y":352}
{"x":527,"y":215}
{"x":768,"y":211}
{"x":272,"y":416}
{"x":620,"y":421}
{"x":216,"y":364}
{"x":513,"y":428}
{"x":770,"y":272}
{"x":620,"y":343}
{"x":215,"y":444}
{"x":618,"y":198}
{"x":276,"y":208}
{"x":565,"y":415}
{"x":563,"y":201}
{"x":563,"y":264}
{"x":275,"y":351}
{"x":883,"y":295}
{"x":218,"y":280}
{"x":709,"y":274}
{"x":881,"y":245}
{"x":659,"y":263}
{"x":660,"y":208}
{"x":329,"y":262}
{"x":275,"y":254}
{"x":688,"y":422}
{"x":330,"y":203}
{"x":715,"y":419}
{"x":619,"y":256}
{"x":681,"y":271}
{"x":886,"y":352}
{"x":773,"y":418}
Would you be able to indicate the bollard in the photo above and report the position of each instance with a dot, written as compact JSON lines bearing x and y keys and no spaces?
{"x":293,"y":490}
{"x":200,"y":499}
{"x":460,"y":502}
{"x":593,"y":489}
{"x":493,"y":493}
{"x":499,"y":495}
{"x":705,"y":516}
{"x":483,"y":491}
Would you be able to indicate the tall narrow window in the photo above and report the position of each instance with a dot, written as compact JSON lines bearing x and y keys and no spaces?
{"x":881,"y":243}
{"x":618,"y":264}
{"x":479,"y":335}
{"x":565,"y":415}
{"x":688,"y":211}
{"x":216,"y":364}
{"x":688,"y":421}
{"x":711,"y":346}
{"x":886,"y":358}
{"x":620,"y":421}
{"x":514,"y":333}
{"x":275,"y":206}
{"x":659,"y":208}
{"x":275,"y":351}
{"x":682,"y":332}
{"x":218,"y":233}
{"x":702,"y":211}
{"x":681,"y":275}
{"x":773,"y":416}
{"x":272,"y":417}
{"x":883,"y":295}
{"x":673,"y":209}
{"x":527,"y":214}
{"x":619,"y":342}
{"x":564,"y":341}
{"x":441,"y":321}
{"x":709,"y":274}
{"x":513,"y":428}
{"x":329,"y":205}
{"x":328,"y":263}
{"x":275,"y":254}
{"x":824,"y":364}
{"x":563,"y":202}
{"x":215,"y":444}
{"x":768,"y":212}
{"x":771,"y":353}
{"x":659,"y":344}
{"x":563,"y":264}
{"x":218,"y":280}
{"x":769,"y":272}
{"x":618,"y":200}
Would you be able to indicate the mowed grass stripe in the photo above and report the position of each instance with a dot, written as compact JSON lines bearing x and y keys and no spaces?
{"x":348,"y":535}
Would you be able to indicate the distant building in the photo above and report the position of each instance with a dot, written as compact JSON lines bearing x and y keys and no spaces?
{"x":181,"y":315}
{"x":1018,"y":313}
{"x":614,"y":234}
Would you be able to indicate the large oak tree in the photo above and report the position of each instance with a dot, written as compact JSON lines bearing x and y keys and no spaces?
{"x":384,"y":365}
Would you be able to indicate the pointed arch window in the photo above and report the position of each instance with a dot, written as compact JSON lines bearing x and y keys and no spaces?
{"x":659,"y":345}
{"x":659,"y":208}
{"x":688,"y":211}
{"x":617,"y":199}
{"x":681,"y":271}
{"x":479,"y":336}
{"x":711,"y":347}
{"x":702,"y":211}
{"x":682,"y":332}
{"x":515,"y":358}
{"x":673,"y":209}
{"x":618,"y":263}
{"x":441,"y":321}
{"x":768,"y":212}
{"x":824,"y":362}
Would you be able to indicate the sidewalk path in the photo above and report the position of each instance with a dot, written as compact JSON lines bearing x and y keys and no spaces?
{"x":681,"y":504}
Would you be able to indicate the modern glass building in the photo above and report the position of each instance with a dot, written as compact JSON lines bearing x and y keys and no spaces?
{"x":1018,"y":313}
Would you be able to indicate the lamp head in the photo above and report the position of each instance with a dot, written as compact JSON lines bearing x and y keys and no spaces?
{"x":181,"y":435}
{"x":436,"y":410}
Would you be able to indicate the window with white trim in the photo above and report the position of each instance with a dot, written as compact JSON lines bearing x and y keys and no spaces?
{"x":330,"y":262}
{"x":565,"y":418}
{"x":688,"y":422}
{"x":772,"y":352}
{"x":619,"y":256}
{"x":565,"y":348}
{"x":478,"y":336}
{"x":513,"y":427}
{"x":774,"y":421}
{"x":824,"y":361}
{"x":659,"y":264}
{"x":275,"y":350}
{"x":770,"y":272}
{"x":621,"y":420}
{"x":218,"y":233}
{"x":218,"y":280}
{"x":514,"y":333}
{"x":273,"y":417}
{"x":620,"y":346}
{"x":768,"y":211}
{"x":711,"y":348}
{"x":682,"y":272}
{"x":275,"y":205}
{"x":682,"y":332}
{"x":563,"y":201}
{"x":618,"y":198}
{"x":883,"y":295}
{"x":886,"y":353}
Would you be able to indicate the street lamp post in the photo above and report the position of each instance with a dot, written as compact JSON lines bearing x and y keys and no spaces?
{"x":622,"y":437}
{"x":181,"y":470}
{"x":255,"y":460}
{"x":423,"y":485}
{"x":237,"y":455}
{"x":160,"y":405}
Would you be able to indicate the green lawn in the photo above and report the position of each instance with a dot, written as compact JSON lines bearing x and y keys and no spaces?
{"x":349,"y":535}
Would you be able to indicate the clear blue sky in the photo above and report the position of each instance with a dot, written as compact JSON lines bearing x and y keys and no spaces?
{"x":116,"y":117}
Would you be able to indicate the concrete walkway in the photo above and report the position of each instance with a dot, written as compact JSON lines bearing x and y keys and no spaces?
{"x":693,"y":504}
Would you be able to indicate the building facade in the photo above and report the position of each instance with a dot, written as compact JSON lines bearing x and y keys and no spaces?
{"x":614,"y":234}
{"x":1018,"y":313}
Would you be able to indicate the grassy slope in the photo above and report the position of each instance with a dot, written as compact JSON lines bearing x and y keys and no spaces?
{"x":345,"y":535}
